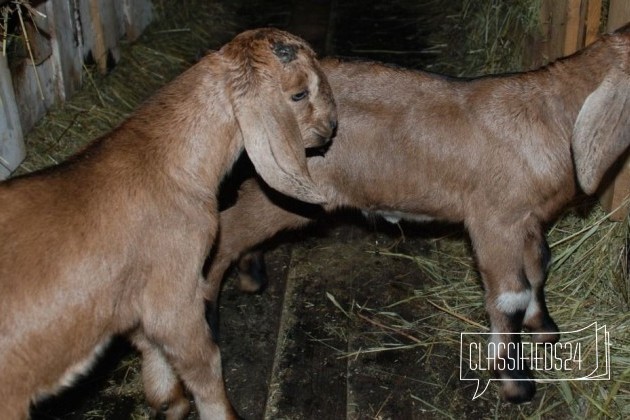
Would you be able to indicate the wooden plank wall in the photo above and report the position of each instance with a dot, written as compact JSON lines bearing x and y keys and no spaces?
{"x":566,"y":27}
{"x":618,"y":190}
{"x":61,"y":34}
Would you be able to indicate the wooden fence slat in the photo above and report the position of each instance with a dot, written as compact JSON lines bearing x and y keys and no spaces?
{"x":34,"y":81}
{"x":593,"y":21}
{"x":12,"y":150}
{"x":136,"y":16}
{"x":102,"y":28}
{"x":557,"y":28}
{"x":537,"y":51}
{"x":60,"y":36}
{"x":572,"y":28}
{"x":99,"y":48}
{"x":618,"y":14}
{"x":66,"y":48}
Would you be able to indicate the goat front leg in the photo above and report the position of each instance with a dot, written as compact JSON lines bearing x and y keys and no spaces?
{"x":537,"y":258}
{"x":507,"y":296}
{"x":258,"y":214}
{"x":252,"y":272}
{"x":177,"y":326}
{"x":163,"y":390}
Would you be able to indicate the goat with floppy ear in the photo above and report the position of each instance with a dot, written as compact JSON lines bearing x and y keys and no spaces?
{"x":113,"y":241}
{"x":493,"y":153}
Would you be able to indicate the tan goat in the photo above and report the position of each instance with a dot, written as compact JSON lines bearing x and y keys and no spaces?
{"x":113,"y":241}
{"x":493,"y":153}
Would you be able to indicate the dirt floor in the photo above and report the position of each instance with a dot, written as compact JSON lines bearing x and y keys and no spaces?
{"x":291,"y":352}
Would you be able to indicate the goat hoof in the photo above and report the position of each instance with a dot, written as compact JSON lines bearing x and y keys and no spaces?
{"x":545,"y":337}
{"x":518,"y":392}
{"x":172,"y":411}
{"x":545,"y":332}
{"x":252,"y":273}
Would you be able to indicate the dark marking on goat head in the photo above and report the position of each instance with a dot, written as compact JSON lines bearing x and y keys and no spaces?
{"x":285,"y":52}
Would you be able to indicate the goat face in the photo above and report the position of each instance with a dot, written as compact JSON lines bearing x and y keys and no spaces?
{"x":282,"y":103}
{"x":307,"y":93}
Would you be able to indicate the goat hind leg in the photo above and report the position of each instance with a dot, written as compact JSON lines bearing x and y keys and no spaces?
{"x":252,"y":273}
{"x":163,"y":390}
{"x":254,"y":217}
{"x":499,"y":257}
{"x":252,"y":278}
{"x":537,"y":258}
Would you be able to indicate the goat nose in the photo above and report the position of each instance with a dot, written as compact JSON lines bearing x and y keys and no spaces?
{"x":333,"y":124}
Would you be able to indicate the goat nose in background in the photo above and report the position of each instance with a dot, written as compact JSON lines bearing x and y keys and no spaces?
{"x":333,"y":125}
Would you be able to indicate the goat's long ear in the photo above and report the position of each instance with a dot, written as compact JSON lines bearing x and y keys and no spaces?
{"x":602,"y":130}
{"x":274,"y":144}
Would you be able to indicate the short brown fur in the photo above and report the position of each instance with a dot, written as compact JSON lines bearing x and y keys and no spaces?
{"x":113,"y":241}
{"x":494,"y":153}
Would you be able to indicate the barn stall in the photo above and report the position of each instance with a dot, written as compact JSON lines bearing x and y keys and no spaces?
{"x":361,"y":319}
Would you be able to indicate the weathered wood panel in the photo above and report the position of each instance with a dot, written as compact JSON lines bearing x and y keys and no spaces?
{"x":618,"y":14}
{"x":66,"y":47}
{"x":34,"y":79}
{"x":11,"y":143}
{"x":573,"y":25}
{"x":593,"y":21}
{"x":136,"y":17}
{"x":101,"y":29}
{"x":60,"y":36}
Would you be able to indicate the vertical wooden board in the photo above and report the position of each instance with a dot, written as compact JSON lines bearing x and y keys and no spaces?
{"x":101,"y":30}
{"x":113,"y":30}
{"x":137,"y":14}
{"x":85,"y":26}
{"x":12,"y":150}
{"x":66,"y":48}
{"x":572,"y":27}
{"x":593,"y":20}
{"x":34,"y":81}
{"x":557,"y":29}
{"x":616,"y":192}
{"x":247,"y":344}
{"x":618,"y":14}
{"x":104,"y":22}
{"x":99,"y":49}
{"x":582,"y":24}
{"x":308,"y":378}
{"x":538,"y":51}
{"x":31,"y":105}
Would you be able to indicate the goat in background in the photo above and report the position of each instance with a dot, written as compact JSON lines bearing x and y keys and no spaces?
{"x":493,"y":153}
{"x":113,"y":241}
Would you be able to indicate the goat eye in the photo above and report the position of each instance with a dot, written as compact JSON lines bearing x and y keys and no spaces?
{"x":299,"y":96}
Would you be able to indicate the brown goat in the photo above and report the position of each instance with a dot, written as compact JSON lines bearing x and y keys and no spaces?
{"x":113,"y":241}
{"x":493,"y":153}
